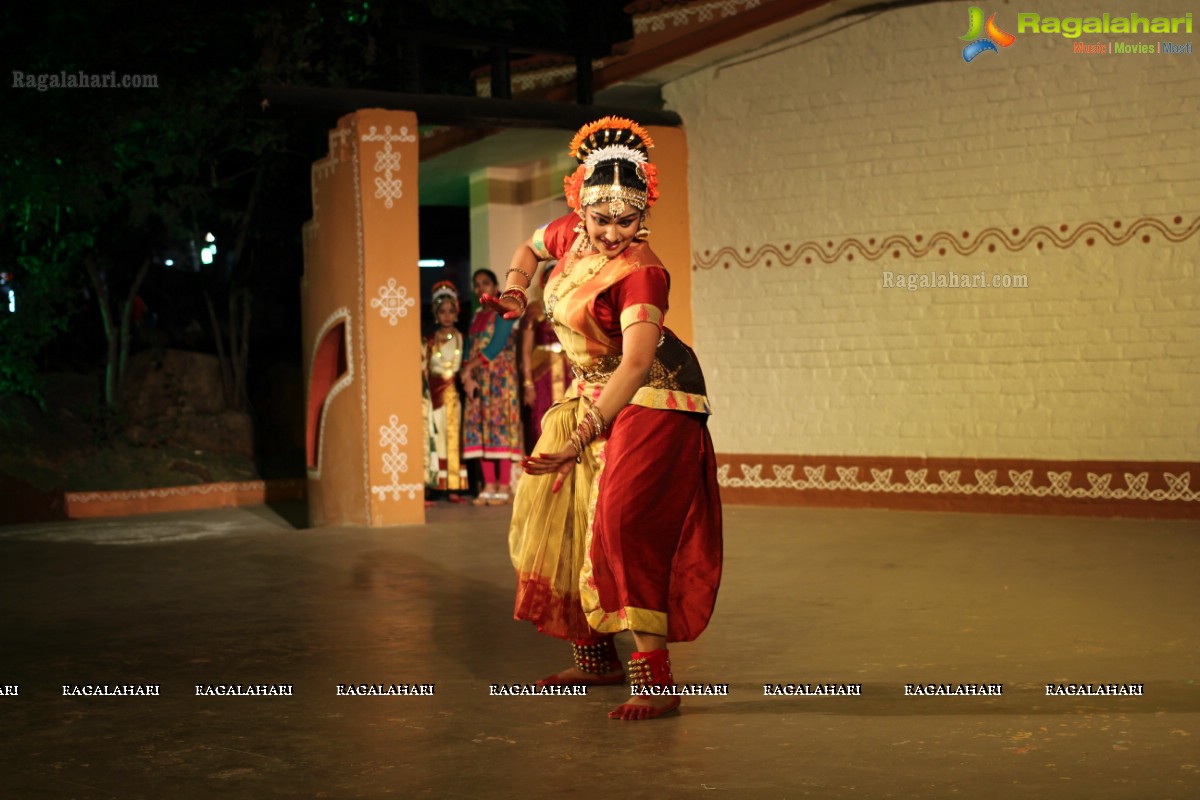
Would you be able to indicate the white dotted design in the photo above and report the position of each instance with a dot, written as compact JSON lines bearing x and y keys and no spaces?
{"x":535,"y":79}
{"x":1178,"y":486}
{"x":393,"y":302}
{"x":703,"y":12}
{"x":362,"y":333}
{"x":387,"y":161}
{"x":341,"y":315}
{"x":171,"y":491}
{"x":321,"y":171}
{"x":393,"y":436}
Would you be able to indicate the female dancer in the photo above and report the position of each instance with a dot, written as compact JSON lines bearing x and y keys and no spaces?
{"x":618,"y":524}
{"x":492,"y":430}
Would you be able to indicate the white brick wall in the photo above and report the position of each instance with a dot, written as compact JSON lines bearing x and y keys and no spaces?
{"x":882,"y":130}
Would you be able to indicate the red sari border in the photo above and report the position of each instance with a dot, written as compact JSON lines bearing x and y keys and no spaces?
{"x":1139,"y":489}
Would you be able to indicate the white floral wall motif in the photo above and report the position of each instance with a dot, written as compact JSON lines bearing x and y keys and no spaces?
{"x":392,"y":437}
{"x":1057,"y":484}
{"x":387,"y":161}
{"x":393,"y":302}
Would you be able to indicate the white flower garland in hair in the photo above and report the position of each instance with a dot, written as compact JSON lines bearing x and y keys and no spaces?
{"x":613,"y":152}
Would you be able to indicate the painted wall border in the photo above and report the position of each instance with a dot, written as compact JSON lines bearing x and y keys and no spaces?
{"x":963,"y":243}
{"x":1141,"y":489}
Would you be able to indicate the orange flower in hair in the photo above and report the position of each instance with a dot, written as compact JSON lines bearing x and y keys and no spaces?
{"x":572,"y":185}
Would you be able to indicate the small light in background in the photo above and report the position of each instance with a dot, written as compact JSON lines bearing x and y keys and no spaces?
{"x":12,"y":301}
{"x":208,"y":254}
{"x":170,"y":262}
{"x":431,"y":263}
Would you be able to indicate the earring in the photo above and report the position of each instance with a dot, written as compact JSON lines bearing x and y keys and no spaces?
{"x":642,"y":233}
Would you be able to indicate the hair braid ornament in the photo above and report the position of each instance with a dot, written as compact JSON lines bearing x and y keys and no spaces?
{"x":623,"y":144}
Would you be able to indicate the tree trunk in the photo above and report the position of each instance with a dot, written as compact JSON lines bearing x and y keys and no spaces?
{"x":126,"y":315}
{"x":110,"y":334}
{"x":240,"y":304}
{"x":242,"y":357}
{"x":116,"y":334}
{"x":222,"y":360}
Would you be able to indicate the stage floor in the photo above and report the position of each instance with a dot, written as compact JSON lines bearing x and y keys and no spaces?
{"x":870,"y":598}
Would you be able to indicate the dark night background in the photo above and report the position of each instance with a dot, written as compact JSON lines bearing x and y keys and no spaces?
{"x":102,"y":187}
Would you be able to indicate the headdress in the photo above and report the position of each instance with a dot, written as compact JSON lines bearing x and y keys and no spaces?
{"x":613,"y":167}
{"x":443,"y":290}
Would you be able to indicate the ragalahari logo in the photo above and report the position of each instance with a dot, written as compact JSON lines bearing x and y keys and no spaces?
{"x":992,"y":35}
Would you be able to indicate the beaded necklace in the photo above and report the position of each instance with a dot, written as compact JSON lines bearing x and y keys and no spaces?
{"x":558,"y":292}
{"x":448,"y":364}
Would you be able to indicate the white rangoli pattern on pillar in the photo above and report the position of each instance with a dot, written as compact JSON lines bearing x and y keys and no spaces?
{"x":388,"y":187}
{"x":393,"y":302}
{"x":392,"y":437}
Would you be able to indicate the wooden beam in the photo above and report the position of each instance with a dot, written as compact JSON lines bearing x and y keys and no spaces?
{"x":637,"y":64}
{"x":466,"y":112}
{"x":462,"y":38}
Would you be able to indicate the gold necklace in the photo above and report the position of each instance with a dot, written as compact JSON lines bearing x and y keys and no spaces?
{"x":437,"y":353}
{"x":558,"y":293}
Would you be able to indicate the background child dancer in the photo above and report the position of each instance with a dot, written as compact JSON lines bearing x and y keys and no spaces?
{"x":492,"y":428}
{"x":444,"y":353}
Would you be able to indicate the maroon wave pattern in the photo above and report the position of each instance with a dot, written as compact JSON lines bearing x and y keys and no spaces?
{"x":964,"y":243}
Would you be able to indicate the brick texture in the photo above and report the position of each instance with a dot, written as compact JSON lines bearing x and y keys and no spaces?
{"x":821,"y":164}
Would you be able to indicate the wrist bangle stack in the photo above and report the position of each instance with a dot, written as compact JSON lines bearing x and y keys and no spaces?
{"x":597,"y":418}
{"x":591,"y":426}
{"x":518,"y":294}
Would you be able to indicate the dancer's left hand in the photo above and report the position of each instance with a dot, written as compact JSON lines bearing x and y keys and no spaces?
{"x":561,"y":462}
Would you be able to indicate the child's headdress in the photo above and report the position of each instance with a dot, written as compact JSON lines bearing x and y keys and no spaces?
{"x":443,"y":290}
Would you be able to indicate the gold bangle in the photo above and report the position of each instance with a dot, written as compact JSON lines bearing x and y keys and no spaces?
{"x":597,"y":417}
{"x":587,"y":428}
{"x":516,"y":290}
{"x":528,"y":277}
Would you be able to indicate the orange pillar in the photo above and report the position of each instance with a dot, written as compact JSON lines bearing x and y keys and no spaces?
{"x":670,"y":230}
{"x":362,"y":326}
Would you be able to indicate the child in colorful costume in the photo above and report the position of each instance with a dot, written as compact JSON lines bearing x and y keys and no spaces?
{"x":444,"y":354}
{"x":492,"y":431}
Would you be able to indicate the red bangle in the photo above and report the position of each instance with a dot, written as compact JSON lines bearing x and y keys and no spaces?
{"x":518,"y":294}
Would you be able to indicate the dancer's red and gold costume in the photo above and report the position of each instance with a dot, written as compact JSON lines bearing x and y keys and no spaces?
{"x":632,"y":541}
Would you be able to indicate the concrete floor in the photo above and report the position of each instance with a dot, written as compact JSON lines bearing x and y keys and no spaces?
{"x":810,"y":595}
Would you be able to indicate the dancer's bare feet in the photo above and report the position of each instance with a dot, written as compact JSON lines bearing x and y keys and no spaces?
{"x":649,"y":671}
{"x":645,"y":707}
{"x":574,"y":676}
